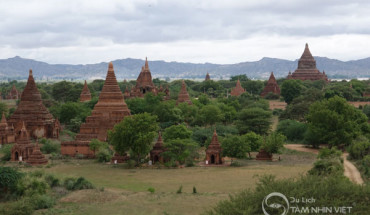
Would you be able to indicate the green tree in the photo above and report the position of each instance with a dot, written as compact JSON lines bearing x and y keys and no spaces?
{"x":97,"y":145}
{"x":66,"y":91}
{"x":176,"y":132}
{"x":257,"y":120}
{"x":168,"y":114}
{"x":239,"y":77}
{"x":9,"y":178}
{"x":291,"y":89}
{"x":134,"y":133}
{"x":180,"y":150}
{"x":210,"y":114}
{"x":234,"y":146}
{"x":273,"y":142}
{"x":253,"y":140}
{"x":335,"y":122}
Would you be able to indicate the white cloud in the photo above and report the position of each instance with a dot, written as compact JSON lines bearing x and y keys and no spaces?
{"x":217,"y":31}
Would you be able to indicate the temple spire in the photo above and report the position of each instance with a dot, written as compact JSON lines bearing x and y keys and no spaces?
{"x":3,"y":119}
{"x":30,"y":72}
{"x":146,"y":63}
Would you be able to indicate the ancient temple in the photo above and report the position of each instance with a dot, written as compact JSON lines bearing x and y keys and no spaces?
{"x":271,"y":86}
{"x":307,"y":68}
{"x":213,"y":152}
{"x":85,"y":94}
{"x":14,"y":93}
{"x":144,"y":83}
{"x":183,"y":95}
{"x":6,"y":132}
{"x":39,"y":122}
{"x":238,"y":90}
{"x":207,"y":77}
{"x":263,"y":155}
{"x":158,"y":149}
{"x":23,"y":146}
{"x":110,"y":110}
{"x":36,"y":157}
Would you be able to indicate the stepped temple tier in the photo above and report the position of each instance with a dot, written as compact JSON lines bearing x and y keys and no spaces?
{"x":144,"y":84}
{"x":213,"y":152}
{"x":85,"y":95}
{"x":183,"y":95}
{"x":23,"y":147}
{"x":110,"y":110}
{"x":271,"y":86}
{"x":6,"y":132}
{"x":36,"y":157}
{"x":38,"y":121}
{"x":238,"y":90}
{"x":307,"y":68}
{"x":158,"y":149}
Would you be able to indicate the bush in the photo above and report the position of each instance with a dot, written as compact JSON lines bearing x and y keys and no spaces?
{"x":52,"y":180}
{"x":179,"y":190}
{"x":69,"y":183}
{"x":9,"y":178}
{"x":104,"y":155}
{"x":20,"y":207}
{"x":359,"y":149}
{"x":327,"y":191}
{"x":49,"y":147}
{"x":236,"y":164}
{"x":131,"y":164}
{"x":329,"y":163}
{"x":80,"y":184}
{"x":329,"y":153}
{"x":80,"y":156}
{"x":151,"y":189}
{"x":6,"y":150}
{"x":194,"y":190}
{"x":42,"y":202}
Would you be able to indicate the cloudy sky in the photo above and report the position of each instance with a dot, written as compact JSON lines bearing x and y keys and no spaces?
{"x":216,"y":31}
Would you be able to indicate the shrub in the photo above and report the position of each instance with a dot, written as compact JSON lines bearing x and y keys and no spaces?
{"x":42,"y":202}
{"x":151,"y":189}
{"x":104,"y":155}
{"x":52,"y":180}
{"x":49,"y":146}
{"x":194,"y":190}
{"x":6,"y":150}
{"x":329,"y":153}
{"x":292,"y":129}
{"x":9,"y":178}
{"x":80,"y":156}
{"x":179,"y":190}
{"x":235,"y":164}
{"x":69,"y":183}
{"x":359,"y":149}
{"x":20,"y":207}
{"x":82,"y":184}
{"x":131,"y":164}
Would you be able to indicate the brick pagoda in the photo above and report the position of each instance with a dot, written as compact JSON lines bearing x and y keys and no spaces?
{"x":23,"y":146}
{"x":238,"y":90}
{"x":271,"y":86}
{"x":39,"y":122}
{"x":36,"y":157}
{"x":207,"y":77}
{"x":14,"y":93}
{"x":110,"y":110}
{"x":213,"y":152}
{"x":183,"y":95}
{"x":307,"y":68}
{"x":6,"y":132}
{"x":158,"y":149}
{"x":85,"y":95}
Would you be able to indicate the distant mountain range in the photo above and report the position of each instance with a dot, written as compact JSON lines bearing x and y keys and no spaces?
{"x":17,"y":68}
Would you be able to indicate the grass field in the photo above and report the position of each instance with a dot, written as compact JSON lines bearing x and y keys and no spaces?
{"x":126,"y":190}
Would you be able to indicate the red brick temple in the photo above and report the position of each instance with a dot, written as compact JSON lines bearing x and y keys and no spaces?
{"x":213,"y":152}
{"x":183,"y":95}
{"x":6,"y":132}
{"x":110,"y":110}
{"x":85,"y":94}
{"x":158,"y":149}
{"x":238,"y":90}
{"x":207,"y":77}
{"x":263,"y":155}
{"x":271,"y":86}
{"x":39,"y":122}
{"x":307,"y":68}
{"x":23,"y":146}
{"x":14,"y":93}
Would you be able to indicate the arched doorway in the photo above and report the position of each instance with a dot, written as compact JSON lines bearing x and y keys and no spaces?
{"x":156,"y":159}
{"x":16,"y":156}
{"x":144,"y":91}
{"x":212,"y":159}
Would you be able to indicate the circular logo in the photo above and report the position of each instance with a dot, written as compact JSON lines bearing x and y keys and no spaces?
{"x":275,"y":205}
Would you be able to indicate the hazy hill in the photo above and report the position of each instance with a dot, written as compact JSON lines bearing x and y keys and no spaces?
{"x":17,"y":68}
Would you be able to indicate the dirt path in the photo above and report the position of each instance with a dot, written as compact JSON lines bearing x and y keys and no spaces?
{"x":350,"y":171}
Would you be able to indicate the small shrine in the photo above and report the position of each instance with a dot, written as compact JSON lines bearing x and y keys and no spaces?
{"x":14,"y":93}
{"x":263,"y":155}
{"x":207,"y":77}
{"x":238,"y":90}
{"x":214,"y":150}
{"x":23,"y":147}
{"x":271,"y":86}
{"x":183,"y":95}
{"x":6,"y":132}
{"x":85,"y":95}
{"x":158,"y":149}
{"x":36,"y":157}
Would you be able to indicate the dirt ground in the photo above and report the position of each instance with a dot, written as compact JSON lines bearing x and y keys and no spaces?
{"x":350,"y":171}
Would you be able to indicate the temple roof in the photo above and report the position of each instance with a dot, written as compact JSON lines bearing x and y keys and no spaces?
{"x":238,"y":90}
{"x":183,"y":94}
{"x":208,"y":77}
{"x":3,"y":120}
{"x":271,"y":86}
{"x":30,"y":92}
{"x":214,"y":145}
{"x":85,"y":94}
{"x":307,"y":61}
{"x":145,"y":77}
